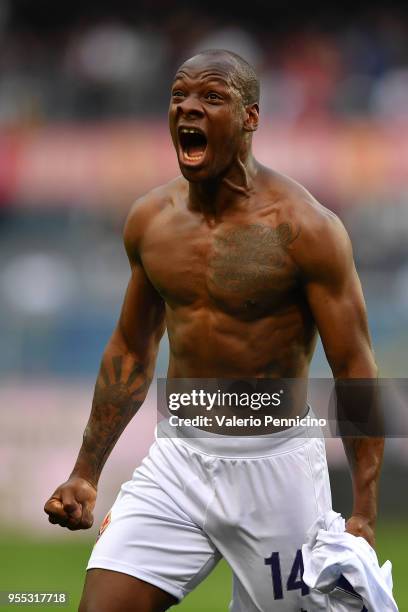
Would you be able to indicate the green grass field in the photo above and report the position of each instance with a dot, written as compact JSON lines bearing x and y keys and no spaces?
{"x":44,"y":565}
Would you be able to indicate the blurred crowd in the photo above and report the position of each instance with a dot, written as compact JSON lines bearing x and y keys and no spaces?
{"x":98,"y":66}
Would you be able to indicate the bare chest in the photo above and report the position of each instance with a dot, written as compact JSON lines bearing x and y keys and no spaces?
{"x":244,"y":268}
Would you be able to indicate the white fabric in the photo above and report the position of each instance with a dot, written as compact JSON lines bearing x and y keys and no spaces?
{"x":185,"y":508}
{"x":330,"y":553}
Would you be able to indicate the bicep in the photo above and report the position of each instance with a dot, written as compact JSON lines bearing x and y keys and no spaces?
{"x":341,"y":319}
{"x":141,"y":323}
{"x":336,"y":300}
{"x":142,"y":319}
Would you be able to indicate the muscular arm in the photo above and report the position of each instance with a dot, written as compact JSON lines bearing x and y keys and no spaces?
{"x":124,"y":377}
{"x":336,"y":300}
{"x":125,"y":374}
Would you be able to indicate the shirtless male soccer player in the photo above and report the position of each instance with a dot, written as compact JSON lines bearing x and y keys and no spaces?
{"x":244,"y":268}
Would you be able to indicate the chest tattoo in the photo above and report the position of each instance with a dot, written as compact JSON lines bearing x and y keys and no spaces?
{"x":244,"y":258}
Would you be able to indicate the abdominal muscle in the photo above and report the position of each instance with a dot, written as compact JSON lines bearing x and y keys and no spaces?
{"x":206,"y":343}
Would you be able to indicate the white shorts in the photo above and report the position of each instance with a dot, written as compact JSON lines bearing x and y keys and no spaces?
{"x":193,"y":501}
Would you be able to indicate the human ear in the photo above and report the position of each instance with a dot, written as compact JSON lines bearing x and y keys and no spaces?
{"x":251,"y":117}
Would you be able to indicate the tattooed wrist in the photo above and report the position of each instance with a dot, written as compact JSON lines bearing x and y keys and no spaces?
{"x":120,"y":390}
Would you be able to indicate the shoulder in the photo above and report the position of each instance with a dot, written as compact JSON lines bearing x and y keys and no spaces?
{"x":320,"y":241}
{"x":147,"y":208}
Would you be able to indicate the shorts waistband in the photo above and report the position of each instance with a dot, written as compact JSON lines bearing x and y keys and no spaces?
{"x":243,"y":446}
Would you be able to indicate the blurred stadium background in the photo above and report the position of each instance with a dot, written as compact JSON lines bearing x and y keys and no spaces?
{"x":83,"y":99}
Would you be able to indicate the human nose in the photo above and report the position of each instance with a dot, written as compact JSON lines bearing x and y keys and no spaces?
{"x":190,"y":107}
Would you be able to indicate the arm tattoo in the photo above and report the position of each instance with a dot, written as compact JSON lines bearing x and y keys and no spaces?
{"x":118,"y":395}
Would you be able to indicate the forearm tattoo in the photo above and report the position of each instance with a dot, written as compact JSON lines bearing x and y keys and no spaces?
{"x":118,"y":395}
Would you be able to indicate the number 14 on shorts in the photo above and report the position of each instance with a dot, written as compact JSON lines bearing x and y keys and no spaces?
{"x":293,"y":580}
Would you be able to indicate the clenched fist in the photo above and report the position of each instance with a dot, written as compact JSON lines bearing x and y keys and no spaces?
{"x":72,"y":503}
{"x":361,"y":526}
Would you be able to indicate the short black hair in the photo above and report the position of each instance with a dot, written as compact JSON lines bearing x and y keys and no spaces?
{"x":243,"y":75}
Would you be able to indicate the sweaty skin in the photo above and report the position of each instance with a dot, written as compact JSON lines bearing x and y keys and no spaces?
{"x":244,"y":268}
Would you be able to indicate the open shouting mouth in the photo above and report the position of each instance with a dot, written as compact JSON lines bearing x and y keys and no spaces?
{"x":193,"y":144}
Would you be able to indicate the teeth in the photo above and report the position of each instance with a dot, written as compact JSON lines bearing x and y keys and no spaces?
{"x":189,"y":131}
{"x":193,"y":157}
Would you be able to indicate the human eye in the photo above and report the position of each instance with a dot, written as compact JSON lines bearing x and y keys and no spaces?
{"x":213,"y":96}
{"x":177,"y":93}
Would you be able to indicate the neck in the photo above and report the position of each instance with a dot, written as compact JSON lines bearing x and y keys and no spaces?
{"x":212,"y":197}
